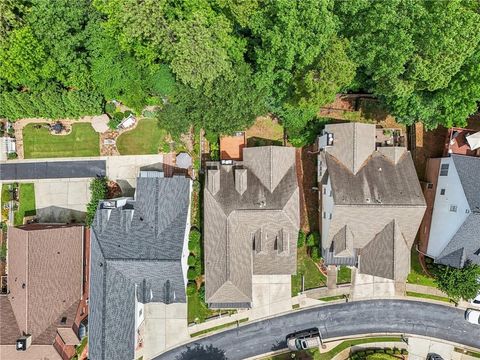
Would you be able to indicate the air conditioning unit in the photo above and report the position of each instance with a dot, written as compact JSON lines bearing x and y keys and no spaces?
{"x":24,"y":343}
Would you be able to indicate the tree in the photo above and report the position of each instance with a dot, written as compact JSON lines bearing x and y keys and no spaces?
{"x":11,"y":16}
{"x":288,"y":36}
{"x":409,"y":54}
{"x":191,"y":274}
{"x":313,"y":239}
{"x":230,"y":105}
{"x":459,"y":283}
{"x":98,"y":191}
{"x":191,"y":260}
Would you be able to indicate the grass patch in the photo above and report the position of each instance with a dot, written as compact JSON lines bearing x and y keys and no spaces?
{"x":39,"y":143}
{"x":417,"y":275}
{"x":305,"y":266}
{"x":474,"y":354}
{"x":315,"y":354}
{"x":428,"y":296}
{"x":332,"y":298}
{"x":344,"y":275}
{"x":215,"y":328}
{"x":264,"y":132}
{"x":146,"y":138}
{"x":26,"y":199}
{"x":198,"y":311}
{"x":295,"y":306}
{"x":79,"y":348}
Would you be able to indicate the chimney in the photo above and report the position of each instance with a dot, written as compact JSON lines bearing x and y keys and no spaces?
{"x":241,"y":180}
{"x":24,"y":343}
{"x":213,"y":180}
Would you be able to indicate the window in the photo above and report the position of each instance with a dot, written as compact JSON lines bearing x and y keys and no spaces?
{"x":330,"y":216}
{"x":324,"y":191}
{"x":324,"y":215}
{"x":140,"y":313}
{"x":444,"y":170}
{"x":453,"y":208}
{"x":442,"y":192}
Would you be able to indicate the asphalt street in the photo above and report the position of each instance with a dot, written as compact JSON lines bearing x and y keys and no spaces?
{"x":338,"y":320}
{"x":52,"y":170}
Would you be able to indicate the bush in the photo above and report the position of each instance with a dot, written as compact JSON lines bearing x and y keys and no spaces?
{"x":194,"y":243}
{"x":191,"y":260}
{"x":116,"y":120}
{"x":313,"y":239}
{"x":191,"y":274}
{"x":99,"y":190}
{"x":201,"y":293}
{"x":12,"y":156}
{"x":3,"y":251}
{"x":301,"y":239}
{"x":110,"y":108}
{"x":191,"y":288}
{"x":459,"y":283}
{"x":315,"y":254}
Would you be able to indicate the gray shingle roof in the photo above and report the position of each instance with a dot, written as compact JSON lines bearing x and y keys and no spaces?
{"x":371,"y":191}
{"x":465,"y":244}
{"x":252,"y":227}
{"x":136,"y":251}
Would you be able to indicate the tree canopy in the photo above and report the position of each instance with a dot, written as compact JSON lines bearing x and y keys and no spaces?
{"x":220,"y":63}
{"x":459,"y":283}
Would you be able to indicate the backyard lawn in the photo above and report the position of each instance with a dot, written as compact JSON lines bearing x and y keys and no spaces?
{"x":39,"y":143}
{"x":417,"y":275}
{"x":146,"y":138}
{"x":305,"y":266}
{"x":264,"y":132}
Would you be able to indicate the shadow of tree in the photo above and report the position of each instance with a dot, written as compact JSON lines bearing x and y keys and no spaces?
{"x":279,"y":345}
{"x":200,"y":352}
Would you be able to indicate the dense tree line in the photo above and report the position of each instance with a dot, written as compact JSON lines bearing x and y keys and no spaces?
{"x":219,"y":63}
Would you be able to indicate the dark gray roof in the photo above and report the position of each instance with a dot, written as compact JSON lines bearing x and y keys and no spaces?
{"x":464,"y":245}
{"x":250,"y":227}
{"x":468,"y":169}
{"x":136,"y":252}
{"x":52,"y":169}
{"x":379,"y":181}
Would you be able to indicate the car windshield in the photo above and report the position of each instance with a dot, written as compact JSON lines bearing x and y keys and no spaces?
{"x":298,"y":344}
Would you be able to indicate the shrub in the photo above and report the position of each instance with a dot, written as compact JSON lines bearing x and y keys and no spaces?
{"x":12,"y":156}
{"x":191,"y":260}
{"x":459,"y":283}
{"x":191,"y":288}
{"x":313,"y":239}
{"x":191,"y":274}
{"x":110,"y":108}
{"x":315,"y":254}
{"x":201,"y":293}
{"x":194,"y":242}
{"x":99,"y":190}
{"x":301,"y":239}
{"x":3,"y":251}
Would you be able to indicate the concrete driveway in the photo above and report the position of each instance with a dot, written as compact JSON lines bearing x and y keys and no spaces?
{"x":334,"y":321}
{"x":62,"y":200}
{"x":271,"y":294}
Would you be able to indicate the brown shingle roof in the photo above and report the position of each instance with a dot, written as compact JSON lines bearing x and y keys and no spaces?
{"x":45,"y":276}
{"x":251,"y":231}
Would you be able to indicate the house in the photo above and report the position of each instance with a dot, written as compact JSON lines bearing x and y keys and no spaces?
{"x":251,"y":223}
{"x":42,"y":311}
{"x":452,"y":229}
{"x":139,"y":251}
{"x":371,"y":201}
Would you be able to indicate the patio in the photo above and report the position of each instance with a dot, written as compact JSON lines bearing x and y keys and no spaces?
{"x":456,"y":142}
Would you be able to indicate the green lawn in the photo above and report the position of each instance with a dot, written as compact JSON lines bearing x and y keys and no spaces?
{"x":215,"y":328}
{"x":198,"y":310}
{"x":428,"y":296}
{"x":344,"y":275}
{"x":332,"y":298}
{"x":417,"y":275}
{"x":26,"y":197}
{"x":315,"y":354}
{"x":305,"y":266}
{"x":39,"y":143}
{"x":146,"y":138}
